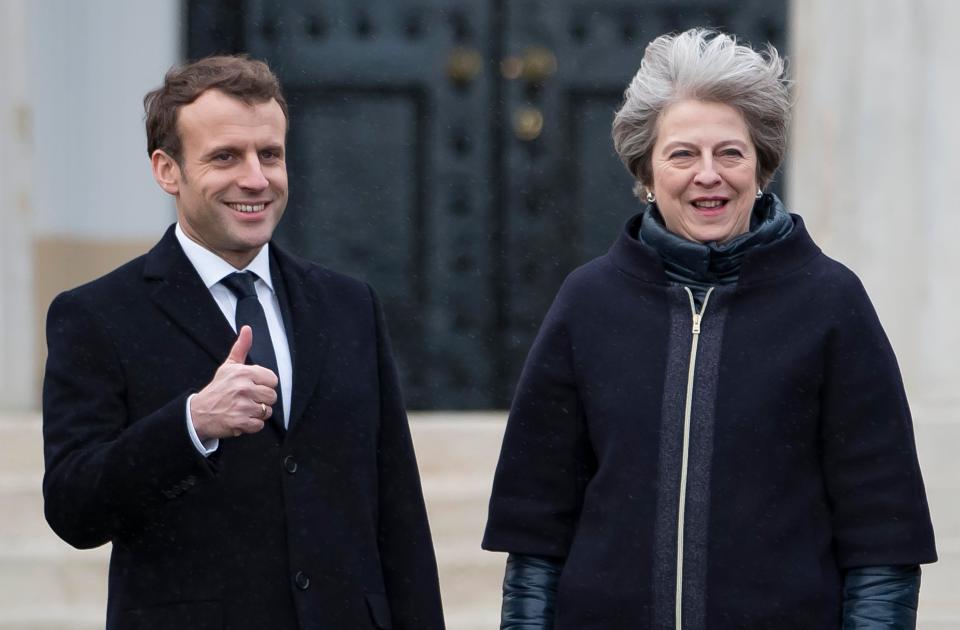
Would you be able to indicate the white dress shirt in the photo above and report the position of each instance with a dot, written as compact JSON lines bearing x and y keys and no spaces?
{"x":212,"y":269}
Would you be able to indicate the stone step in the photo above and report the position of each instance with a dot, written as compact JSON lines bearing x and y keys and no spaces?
{"x":938,"y":586}
{"x":473,"y":618}
{"x":52,"y":617}
{"x":458,"y":442}
{"x":47,"y":572}
{"x":469,"y":575}
{"x":21,"y":444}
{"x":457,"y":509}
{"x":21,"y":503}
{"x":937,"y":443}
{"x":46,"y":585}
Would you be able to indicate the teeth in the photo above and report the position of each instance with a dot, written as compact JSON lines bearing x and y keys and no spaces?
{"x":246,"y":207}
{"x":713,"y":203}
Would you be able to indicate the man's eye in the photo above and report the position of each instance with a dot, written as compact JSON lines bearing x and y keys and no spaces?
{"x":270,"y":155}
{"x":223,"y":157}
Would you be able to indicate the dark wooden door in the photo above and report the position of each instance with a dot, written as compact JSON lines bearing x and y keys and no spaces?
{"x":457,"y":155}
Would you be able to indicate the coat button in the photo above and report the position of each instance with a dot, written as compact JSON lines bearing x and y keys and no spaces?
{"x":290,"y":464}
{"x":301,"y":580}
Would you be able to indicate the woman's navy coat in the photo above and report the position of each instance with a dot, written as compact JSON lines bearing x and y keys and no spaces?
{"x":801,"y":451}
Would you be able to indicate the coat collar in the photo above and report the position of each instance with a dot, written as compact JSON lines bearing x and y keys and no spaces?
{"x":308,"y":303}
{"x":760,"y":264}
{"x":182,"y":295}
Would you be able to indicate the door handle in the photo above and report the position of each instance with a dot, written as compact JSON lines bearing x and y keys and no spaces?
{"x":527,"y":123}
{"x":463,"y":65}
{"x":535,"y":65}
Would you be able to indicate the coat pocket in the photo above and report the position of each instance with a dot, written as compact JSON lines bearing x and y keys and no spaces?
{"x":379,"y":610}
{"x":201,"y":615}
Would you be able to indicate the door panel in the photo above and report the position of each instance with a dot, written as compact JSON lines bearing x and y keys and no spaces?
{"x":456,"y":154}
{"x":366,"y":174}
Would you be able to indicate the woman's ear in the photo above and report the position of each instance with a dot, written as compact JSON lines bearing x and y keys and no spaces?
{"x":166,"y":171}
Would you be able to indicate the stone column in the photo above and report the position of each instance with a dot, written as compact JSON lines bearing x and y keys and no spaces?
{"x":96,"y":204}
{"x":874,"y":169}
{"x":17,"y":360}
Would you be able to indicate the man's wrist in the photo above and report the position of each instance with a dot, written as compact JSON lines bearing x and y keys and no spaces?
{"x":204,"y":447}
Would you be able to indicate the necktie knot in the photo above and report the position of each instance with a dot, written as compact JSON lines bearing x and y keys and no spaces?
{"x":241,"y":284}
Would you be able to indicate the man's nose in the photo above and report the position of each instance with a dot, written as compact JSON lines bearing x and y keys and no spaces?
{"x":252,"y":177}
{"x":706,"y":173}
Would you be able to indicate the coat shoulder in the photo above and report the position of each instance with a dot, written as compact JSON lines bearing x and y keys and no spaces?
{"x":591,"y":276}
{"x":595,"y":283}
{"x":836,"y":280}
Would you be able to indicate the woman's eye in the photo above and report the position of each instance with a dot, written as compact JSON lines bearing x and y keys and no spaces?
{"x":731,"y":153}
{"x":683,"y":153}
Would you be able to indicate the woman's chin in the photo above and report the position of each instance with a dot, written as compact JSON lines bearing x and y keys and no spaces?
{"x":715,"y":232}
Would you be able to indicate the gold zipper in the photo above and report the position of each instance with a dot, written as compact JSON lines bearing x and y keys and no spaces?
{"x":687,"y":408}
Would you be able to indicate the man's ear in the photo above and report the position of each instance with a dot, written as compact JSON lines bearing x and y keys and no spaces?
{"x":166,"y":171}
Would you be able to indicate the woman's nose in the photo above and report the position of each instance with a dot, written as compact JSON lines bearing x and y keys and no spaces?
{"x":706,"y":173}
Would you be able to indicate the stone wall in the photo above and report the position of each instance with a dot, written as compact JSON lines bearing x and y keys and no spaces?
{"x":873,"y":161}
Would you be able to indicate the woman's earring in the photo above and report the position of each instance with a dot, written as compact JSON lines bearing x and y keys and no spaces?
{"x":759,"y":193}
{"x":650,"y":197}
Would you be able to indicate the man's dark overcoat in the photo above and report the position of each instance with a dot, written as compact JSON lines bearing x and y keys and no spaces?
{"x":323,"y":528}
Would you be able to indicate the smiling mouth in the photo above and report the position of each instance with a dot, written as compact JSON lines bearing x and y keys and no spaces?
{"x":248,"y":208}
{"x":709,"y":204}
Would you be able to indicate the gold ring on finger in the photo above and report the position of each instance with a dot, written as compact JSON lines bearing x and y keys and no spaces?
{"x":263,"y":411}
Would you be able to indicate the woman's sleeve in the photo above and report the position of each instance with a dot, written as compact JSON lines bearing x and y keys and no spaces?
{"x":881,"y":598}
{"x":869,"y":458}
{"x":546,"y":458}
{"x":529,"y":592}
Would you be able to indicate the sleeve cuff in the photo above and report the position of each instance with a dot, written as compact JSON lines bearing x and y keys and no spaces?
{"x":205,"y":448}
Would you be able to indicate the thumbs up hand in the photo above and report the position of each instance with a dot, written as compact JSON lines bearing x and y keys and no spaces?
{"x":238,"y":353}
{"x":239,"y":399}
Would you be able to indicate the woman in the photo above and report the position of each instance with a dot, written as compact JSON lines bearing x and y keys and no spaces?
{"x":710,"y":430}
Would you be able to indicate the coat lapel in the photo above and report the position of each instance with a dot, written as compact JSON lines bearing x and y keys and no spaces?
{"x":307,"y":332}
{"x":181,"y":294}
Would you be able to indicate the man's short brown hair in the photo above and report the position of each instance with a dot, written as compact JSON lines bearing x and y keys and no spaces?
{"x":248,"y":80}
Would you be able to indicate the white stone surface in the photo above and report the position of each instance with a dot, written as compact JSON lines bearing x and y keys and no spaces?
{"x":873,"y":167}
{"x":90,"y":64}
{"x":16,"y":303}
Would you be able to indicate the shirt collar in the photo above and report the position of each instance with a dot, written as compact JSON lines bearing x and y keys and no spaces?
{"x":212,"y":269}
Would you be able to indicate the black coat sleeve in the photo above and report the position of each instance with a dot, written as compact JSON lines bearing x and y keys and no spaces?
{"x":869,"y":459}
{"x":406,"y":549}
{"x":546,"y":459}
{"x":104,"y":471}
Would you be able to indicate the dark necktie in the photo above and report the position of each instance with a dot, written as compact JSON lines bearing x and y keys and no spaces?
{"x":250,"y":313}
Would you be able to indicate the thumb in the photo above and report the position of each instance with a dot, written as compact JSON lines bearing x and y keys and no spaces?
{"x":238,"y":353}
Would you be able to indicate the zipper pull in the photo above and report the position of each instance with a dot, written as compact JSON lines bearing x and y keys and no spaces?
{"x":696,"y":323}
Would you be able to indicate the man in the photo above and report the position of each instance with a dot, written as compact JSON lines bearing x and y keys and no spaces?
{"x":227,"y":415}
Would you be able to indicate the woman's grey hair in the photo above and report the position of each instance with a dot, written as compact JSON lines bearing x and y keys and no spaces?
{"x":705,"y":65}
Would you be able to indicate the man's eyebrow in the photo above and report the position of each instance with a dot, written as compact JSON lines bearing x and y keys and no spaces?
{"x":223,"y":148}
